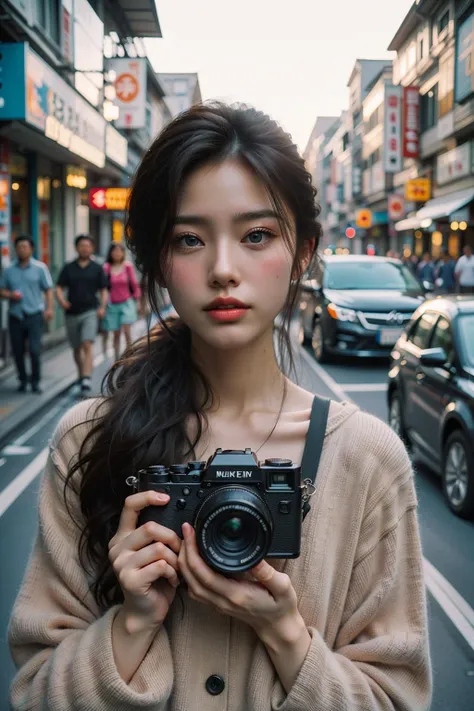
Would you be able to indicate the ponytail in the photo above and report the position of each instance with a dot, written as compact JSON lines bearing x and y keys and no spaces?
{"x":150,"y":395}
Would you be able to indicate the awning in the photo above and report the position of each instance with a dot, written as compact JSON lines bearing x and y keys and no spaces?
{"x":142,"y":17}
{"x":410,"y":223}
{"x":445,"y":206}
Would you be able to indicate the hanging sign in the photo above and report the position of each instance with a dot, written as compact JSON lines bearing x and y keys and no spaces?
{"x":411,"y":122}
{"x":392,"y":157}
{"x":396,"y":206}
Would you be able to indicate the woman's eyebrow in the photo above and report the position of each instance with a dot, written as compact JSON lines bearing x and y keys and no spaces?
{"x":238,"y":217}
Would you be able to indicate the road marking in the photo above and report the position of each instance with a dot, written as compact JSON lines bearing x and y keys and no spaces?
{"x":2,"y":461}
{"x":19,"y":483}
{"x":451,"y":602}
{"x":38,"y":425}
{"x":12,"y":450}
{"x":365,"y":387}
{"x":325,"y":377}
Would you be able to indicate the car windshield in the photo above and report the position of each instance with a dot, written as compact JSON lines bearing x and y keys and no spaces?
{"x":466,"y":332}
{"x":369,"y":275}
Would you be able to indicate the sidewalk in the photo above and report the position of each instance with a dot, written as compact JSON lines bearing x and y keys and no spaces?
{"x":58,"y":375}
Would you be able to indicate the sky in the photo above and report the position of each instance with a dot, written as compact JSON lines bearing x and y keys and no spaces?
{"x":291,"y":59}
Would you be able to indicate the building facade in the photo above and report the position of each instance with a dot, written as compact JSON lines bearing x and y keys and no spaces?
{"x":435,"y":46}
{"x":62,"y":131}
{"x":181,"y":91}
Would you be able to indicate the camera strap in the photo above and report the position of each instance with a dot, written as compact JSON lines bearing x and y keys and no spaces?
{"x":313,"y":447}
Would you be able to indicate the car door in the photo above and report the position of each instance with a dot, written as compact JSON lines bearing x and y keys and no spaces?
{"x":434,"y":388}
{"x":418,"y":339}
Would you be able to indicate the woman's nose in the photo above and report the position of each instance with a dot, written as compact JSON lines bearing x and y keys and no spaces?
{"x":224,"y":269}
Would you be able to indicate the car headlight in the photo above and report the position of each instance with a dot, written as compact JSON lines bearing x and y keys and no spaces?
{"x":341,"y":313}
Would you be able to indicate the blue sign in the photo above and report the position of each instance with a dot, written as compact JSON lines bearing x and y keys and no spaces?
{"x":12,"y":81}
{"x":465,"y":60}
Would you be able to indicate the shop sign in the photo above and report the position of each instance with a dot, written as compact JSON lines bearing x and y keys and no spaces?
{"x":411,"y":122}
{"x":108,"y":198}
{"x":364,"y":218}
{"x":396,"y":206}
{"x":418,"y":190}
{"x":116,"y":146}
{"x":130,"y":90}
{"x":32,"y":91}
{"x":392,"y":162}
{"x":465,"y":59}
{"x":76,"y":177}
{"x":454,"y":164}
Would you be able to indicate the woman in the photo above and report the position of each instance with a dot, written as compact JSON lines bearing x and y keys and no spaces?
{"x":222,"y":213}
{"x":124,"y":291}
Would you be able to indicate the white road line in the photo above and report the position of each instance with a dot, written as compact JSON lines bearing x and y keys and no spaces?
{"x":37,"y":426}
{"x":364,"y":387}
{"x":451,"y":602}
{"x":19,"y":483}
{"x":12,"y":450}
{"x":2,"y":461}
{"x":325,"y":377}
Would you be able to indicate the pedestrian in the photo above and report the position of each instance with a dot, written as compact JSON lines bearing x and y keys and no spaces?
{"x":445,"y":278}
{"x":464,"y":271}
{"x":84,"y":280}
{"x":425,"y":270}
{"x":222,"y":212}
{"x":124,"y":291}
{"x":28,"y":286}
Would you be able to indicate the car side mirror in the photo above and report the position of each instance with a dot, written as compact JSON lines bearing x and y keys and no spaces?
{"x":434,"y":357}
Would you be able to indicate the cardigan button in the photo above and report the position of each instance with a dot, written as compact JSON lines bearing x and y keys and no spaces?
{"x":215,"y":685}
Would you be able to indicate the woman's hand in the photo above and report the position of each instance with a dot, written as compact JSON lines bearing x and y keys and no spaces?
{"x":265,"y":599}
{"x":145,"y":561}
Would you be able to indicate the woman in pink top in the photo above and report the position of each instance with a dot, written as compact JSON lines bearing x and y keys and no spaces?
{"x":123,"y":294}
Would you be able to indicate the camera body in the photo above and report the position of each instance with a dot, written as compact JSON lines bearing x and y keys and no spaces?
{"x":242,"y":510}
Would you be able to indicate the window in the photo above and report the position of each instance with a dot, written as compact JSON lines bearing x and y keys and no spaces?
{"x":429,"y":109}
{"x":466,"y":333}
{"x":422,"y":49}
{"x":420,"y":335}
{"x":47,"y":17}
{"x":345,"y":141}
{"x":446,"y":85}
{"x":367,"y":275}
{"x":442,"y":338}
{"x":443,"y":22}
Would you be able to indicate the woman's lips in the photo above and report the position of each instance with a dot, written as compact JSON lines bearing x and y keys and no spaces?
{"x":227,"y":314}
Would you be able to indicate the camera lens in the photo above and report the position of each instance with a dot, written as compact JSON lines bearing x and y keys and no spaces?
{"x":233,"y":529}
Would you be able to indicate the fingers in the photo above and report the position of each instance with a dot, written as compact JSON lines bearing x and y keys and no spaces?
{"x":132,"y":507}
{"x":277,"y":584}
{"x":202,"y":575}
{"x":198,"y":591}
{"x":151,"y":554}
{"x":135,"y":580}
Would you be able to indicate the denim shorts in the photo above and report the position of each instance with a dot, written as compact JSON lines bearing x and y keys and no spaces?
{"x":117,"y":315}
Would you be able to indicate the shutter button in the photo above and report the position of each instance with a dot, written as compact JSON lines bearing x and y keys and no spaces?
{"x":215,"y":685}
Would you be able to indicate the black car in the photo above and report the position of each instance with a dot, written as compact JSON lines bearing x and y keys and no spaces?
{"x":359,"y":308}
{"x":431,"y":393}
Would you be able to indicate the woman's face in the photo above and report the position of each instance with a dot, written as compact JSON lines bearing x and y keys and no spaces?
{"x":117,"y":254}
{"x":228,"y":242}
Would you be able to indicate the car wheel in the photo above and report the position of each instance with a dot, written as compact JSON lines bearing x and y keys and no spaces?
{"x":395,"y":417}
{"x":458,"y":474}
{"x":317,"y":341}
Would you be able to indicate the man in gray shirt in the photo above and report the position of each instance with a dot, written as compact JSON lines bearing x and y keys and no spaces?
{"x":24,"y":283}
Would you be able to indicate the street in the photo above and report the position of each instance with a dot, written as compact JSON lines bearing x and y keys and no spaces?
{"x":448,"y":542}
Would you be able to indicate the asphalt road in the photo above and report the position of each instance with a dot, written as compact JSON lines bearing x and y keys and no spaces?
{"x":448,"y":542}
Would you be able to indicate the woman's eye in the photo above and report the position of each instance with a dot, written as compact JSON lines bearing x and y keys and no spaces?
{"x":188,"y":241}
{"x":258,"y":237}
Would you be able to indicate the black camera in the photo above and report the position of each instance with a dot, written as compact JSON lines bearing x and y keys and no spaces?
{"x":242,"y":511}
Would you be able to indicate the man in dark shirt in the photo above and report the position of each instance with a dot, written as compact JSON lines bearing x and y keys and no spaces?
{"x":84,"y":279}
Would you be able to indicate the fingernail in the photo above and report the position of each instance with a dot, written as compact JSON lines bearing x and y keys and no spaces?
{"x":161,"y":497}
{"x":186,"y":528}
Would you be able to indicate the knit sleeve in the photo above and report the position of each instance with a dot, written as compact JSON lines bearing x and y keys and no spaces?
{"x":380,"y":660}
{"x":61,"y":645}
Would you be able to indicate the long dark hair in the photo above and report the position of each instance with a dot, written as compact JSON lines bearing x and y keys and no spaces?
{"x":153,"y":391}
